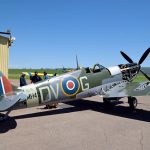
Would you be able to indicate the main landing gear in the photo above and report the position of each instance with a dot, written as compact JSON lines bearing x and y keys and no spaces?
{"x":132,"y":101}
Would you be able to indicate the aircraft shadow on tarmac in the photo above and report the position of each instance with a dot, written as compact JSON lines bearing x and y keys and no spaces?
{"x":7,"y":125}
{"x":81,"y":105}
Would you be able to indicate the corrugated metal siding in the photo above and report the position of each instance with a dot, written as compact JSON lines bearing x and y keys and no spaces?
{"x":4,"y":55}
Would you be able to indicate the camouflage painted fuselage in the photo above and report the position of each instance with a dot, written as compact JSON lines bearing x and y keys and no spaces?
{"x":63,"y":88}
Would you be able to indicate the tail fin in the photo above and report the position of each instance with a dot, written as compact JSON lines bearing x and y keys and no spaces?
{"x":9,"y":95}
{"x":5,"y":85}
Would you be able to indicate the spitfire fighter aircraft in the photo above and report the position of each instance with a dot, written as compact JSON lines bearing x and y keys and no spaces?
{"x":112,"y":83}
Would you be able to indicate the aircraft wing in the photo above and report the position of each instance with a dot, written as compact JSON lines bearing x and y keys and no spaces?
{"x":126,"y":89}
{"x":8,"y":101}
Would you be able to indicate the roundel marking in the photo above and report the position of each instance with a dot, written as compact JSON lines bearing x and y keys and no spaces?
{"x":70,"y":86}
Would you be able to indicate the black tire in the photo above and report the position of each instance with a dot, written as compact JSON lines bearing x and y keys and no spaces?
{"x":132,"y":102}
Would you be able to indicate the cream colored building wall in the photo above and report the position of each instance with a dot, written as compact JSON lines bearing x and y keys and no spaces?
{"x":4,"y":55}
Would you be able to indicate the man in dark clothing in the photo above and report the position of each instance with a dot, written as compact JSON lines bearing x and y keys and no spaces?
{"x":23,"y":80}
{"x":36,"y":78}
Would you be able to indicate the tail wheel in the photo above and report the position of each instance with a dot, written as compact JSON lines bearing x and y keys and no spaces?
{"x":132,"y":102}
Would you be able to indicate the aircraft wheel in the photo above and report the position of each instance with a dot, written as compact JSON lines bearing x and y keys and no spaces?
{"x":132,"y":102}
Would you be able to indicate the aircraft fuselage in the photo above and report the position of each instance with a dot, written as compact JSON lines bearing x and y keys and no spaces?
{"x":63,"y":88}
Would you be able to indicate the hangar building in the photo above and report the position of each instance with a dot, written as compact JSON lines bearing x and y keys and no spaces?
{"x":5,"y":43}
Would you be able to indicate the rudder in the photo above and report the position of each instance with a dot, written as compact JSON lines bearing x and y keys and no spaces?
{"x":5,"y":85}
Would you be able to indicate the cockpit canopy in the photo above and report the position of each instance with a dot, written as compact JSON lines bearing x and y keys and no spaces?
{"x":96,"y":68}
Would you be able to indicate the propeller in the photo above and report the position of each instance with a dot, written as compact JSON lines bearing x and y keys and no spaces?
{"x":126,"y":57}
{"x":143,"y":57}
{"x":145,"y":75}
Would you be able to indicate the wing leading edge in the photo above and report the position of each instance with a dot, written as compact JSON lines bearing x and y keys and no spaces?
{"x":126,"y":89}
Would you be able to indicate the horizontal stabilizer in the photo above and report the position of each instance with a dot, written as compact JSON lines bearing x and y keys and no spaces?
{"x":8,"y":101}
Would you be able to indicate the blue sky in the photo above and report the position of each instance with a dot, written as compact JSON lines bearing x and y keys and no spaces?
{"x":49,"y":33}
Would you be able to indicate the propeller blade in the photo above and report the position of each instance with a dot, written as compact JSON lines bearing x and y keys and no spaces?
{"x":145,"y":75}
{"x":126,"y":57}
{"x":144,"y":56}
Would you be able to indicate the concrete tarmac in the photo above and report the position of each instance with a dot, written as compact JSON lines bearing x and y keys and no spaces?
{"x":78,"y":125}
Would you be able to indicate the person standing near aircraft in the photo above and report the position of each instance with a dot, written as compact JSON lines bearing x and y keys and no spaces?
{"x":35,"y":78}
{"x":23,"y":80}
{"x":45,"y":75}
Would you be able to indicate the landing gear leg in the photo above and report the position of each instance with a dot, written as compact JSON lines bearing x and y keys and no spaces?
{"x":4,"y":116}
{"x":132,"y":103}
